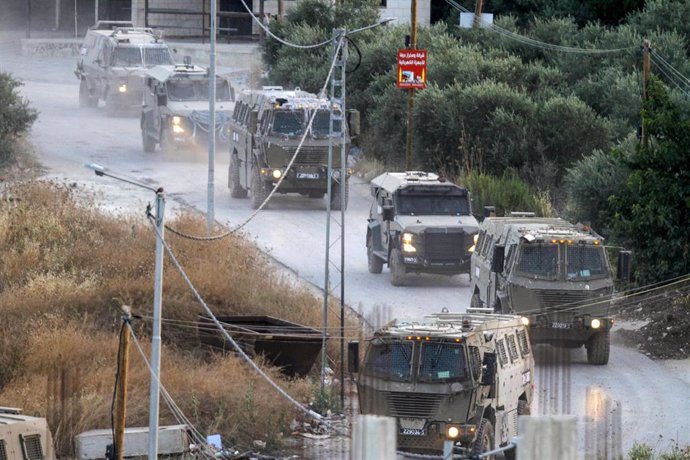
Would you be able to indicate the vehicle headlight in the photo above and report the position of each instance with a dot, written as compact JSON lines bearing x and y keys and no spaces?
{"x":596,"y":324}
{"x":407,"y":247}
{"x":524,"y":320}
{"x":407,"y":238}
{"x":452,"y":432}
{"x":276,"y":173}
{"x":177,"y":125}
{"x":122,"y":88}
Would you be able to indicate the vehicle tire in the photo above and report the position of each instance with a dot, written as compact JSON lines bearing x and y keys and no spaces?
{"x":335,"y":195}
{"x":498,"y":308}
{"x":397,"y":268}
{"x":165,"y":141}
{"x":236,"y":189}
{"x":598,"y":348}
{"x":484,"y":441}
{"x":148,"y":142}
{"x":259,"y":190}
{"x":475,"y":302}
{"x":85,"y":98}
{"x":375,"y":262}
{"x":316,"y":194}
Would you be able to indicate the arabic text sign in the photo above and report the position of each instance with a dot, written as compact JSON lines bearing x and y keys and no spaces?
{"x":411,"y":69}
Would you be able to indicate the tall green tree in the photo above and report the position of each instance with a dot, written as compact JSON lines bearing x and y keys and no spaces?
{"x":16,"y":116}
{"x":652,"y":211}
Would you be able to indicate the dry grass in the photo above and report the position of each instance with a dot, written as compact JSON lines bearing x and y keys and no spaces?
{"x":65,"y":271}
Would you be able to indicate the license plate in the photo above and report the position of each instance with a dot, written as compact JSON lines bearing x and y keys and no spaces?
{"x":412,"y":432}
{"x":307,"y":175}
{"x":559,"y":325}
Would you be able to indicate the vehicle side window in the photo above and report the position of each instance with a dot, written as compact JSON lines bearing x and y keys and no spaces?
{"x":501,"y":351}
{"x":486,"y":249}
{"x":512,"y":348}
{"x":236,"y":110}
{"x":475,"y":362}
{"x":511,"y":255}
{"x":264,"y":122}
{"x":522,"y":340}
{"x":480,"y":241}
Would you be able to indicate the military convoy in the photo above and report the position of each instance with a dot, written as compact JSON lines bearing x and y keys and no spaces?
{"x":552,"y":272}
{"x":419,"y":223}
{"x":175,"y":109}
{"x":112,"y":62}
{"x":460,"y":377}
{"x":266,"y":129}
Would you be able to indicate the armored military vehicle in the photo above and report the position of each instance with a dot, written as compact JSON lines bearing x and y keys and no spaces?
{"x":419,"y":223}
{"x":175,"y":110}
{"x":554,"y":273}
{"x":112,"y":63}
{"x":266,"y":128}
{"x":24,"y":437}
{"x":463,"y":377}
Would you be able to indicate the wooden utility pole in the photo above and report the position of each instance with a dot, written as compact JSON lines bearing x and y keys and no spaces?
{"x":646,"y":72}
{"x":280,"y":9}
{"x":121,"y":400}
{"x":478,"y":14}
{"x":410,"y":92}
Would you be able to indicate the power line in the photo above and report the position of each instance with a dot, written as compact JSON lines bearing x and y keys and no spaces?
{"x":536,"y":43}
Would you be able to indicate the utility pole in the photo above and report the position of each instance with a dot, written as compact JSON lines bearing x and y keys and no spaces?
{"x":280,"y":9}
{"x":478,"y":14}
{"x":210,"y":211}
{"x":410,"y":92}
{"x":156,"y":339}
{"x":646,"y":72}
{"x":121,"y":403}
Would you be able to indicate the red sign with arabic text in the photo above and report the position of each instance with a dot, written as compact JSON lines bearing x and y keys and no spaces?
{"x":411,"y":69}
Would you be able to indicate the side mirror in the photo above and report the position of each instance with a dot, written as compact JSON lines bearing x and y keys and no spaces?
{"x":162,"y":99}
{"x":353,"y":122}
{"x":488,"y":369}
{"x":624,"y":265}
{"x":498,"y":258}
{"x":353,"y":357}
{"x":489,"y":211}
{"x":253,"y":121}
{"x":388,"y":212}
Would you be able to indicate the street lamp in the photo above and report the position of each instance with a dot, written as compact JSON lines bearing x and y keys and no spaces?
{"x":157,"y":303}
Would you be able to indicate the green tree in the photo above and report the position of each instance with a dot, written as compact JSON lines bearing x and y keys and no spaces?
{"x":652,"y":211}
{"x":16,"y":117}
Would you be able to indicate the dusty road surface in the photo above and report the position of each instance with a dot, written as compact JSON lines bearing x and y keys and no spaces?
{"x":632,"y":399}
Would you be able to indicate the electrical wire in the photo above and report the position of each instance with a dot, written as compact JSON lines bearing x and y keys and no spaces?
{"x":671,"y":74}
{"x":655,"y":54}
{"x":536,"y":43}
{"x":336,"y":53}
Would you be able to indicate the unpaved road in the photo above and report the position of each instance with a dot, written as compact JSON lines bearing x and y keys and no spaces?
{"x":632,"y":399}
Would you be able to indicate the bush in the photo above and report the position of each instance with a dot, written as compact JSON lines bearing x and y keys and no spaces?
{"x":16,"y":117}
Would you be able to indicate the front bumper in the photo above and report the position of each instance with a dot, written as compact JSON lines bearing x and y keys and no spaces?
{"x":575,"y":331}
{"x":420,"y":264}
{"x":301,"y":178}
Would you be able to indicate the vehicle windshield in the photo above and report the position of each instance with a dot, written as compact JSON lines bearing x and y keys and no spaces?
{"x":442,"y":362}
{"x":321,"y":123}
{"x":127,"y":56}
{"x":585,"y":262}
{"x":390,"y":360}
{"x":441,"y":205}
{"x":159,"y":55}
{"x":539,"y":260}
{"x":288,"y":122}
{"x":184,"y":89}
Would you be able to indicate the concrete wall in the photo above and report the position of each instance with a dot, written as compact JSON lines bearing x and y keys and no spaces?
{"x":401,"y":9}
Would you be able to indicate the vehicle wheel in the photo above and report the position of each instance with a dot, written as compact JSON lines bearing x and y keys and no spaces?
{"x":148,"y":142}
{"x":85,"y":98}
{"x":316,"y":194}
{"x":475,"y":302}
{"x":335,"y":195}
{"x":498,"y":308}
{"x":598,"y":348}
{"x":523,"y":408}
{"x":484,"y":441}
{"x":165,"y":141}
{"x":397,"y":268}
{"x":236,"y":190}
{"x":375,"y":262}
{"x":259,"y":189}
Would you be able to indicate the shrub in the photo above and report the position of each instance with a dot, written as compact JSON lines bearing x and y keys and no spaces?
{"x":16,"y":117}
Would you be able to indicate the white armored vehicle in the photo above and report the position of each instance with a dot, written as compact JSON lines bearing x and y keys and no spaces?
{"x":463,"y":377}
{"x":175,"y":110}
{"x":112,"y":62}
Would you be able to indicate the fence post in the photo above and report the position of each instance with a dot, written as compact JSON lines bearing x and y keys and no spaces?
{"x":547,"y":437}
{"x":373,"y":438}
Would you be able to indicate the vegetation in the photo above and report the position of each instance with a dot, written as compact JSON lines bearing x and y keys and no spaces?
{"x":16,"y":117}
{"x":65,"y":271}
{"x":645,"y":452}
{"x":562,"y":123}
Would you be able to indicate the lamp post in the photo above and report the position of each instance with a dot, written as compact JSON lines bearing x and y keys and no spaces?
{"x":157,"y":303}
{"x":210,"y":211}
